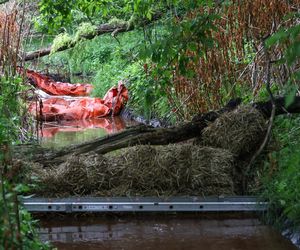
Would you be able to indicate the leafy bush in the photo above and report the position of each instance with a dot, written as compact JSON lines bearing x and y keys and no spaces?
{"x":8,"y":233}
{"x":282,"y":175}
{"x":16,"y":231}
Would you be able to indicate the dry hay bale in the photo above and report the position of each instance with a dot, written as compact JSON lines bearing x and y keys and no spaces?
{"x":172,"y":170}
{"x":212,"y":171}
{"x":239,"y":131}
{"x":79,"y":175}
{"x":130,"y":168}
{"x":83,"y":174}
{"x":149,"y":170}
{"x":143,"y":170}
{"x":46,"y":181}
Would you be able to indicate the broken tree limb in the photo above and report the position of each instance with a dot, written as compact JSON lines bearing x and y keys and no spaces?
{"x":38,"y":53}
{"x":161,"y":136}
{"x":266,"y":107}
{"x":100,"y":30}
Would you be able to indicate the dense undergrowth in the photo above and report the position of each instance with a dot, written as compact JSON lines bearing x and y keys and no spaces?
{"x":281,"y":180}
{"x":16,"y":224}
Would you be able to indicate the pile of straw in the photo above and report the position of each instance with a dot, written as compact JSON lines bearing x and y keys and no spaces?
{"x":142,"y":170}
{"x":240,"y":131}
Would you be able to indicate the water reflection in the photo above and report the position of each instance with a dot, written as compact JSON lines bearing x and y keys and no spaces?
{"x":162,"y":233}
{"x":64,"y":133}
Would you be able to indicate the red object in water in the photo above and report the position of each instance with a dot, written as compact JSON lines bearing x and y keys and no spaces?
{"x":52,"y":87}
{"x":110,"y":125}
{"x":58,"y":108}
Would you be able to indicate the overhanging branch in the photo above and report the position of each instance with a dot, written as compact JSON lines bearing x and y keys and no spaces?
{"x":100,"y":30}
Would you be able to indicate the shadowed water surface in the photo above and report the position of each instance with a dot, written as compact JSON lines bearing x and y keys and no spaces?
{"x":162,"y":232}
{"x":65,"y":133}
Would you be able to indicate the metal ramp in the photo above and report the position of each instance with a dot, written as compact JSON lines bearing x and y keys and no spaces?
{"x":144,"y":204}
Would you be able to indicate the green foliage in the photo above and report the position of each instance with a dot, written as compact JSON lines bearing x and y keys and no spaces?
{"x":282,"y":175}
{"x":116,"y":21}
{"x":12,"y":217}
{"x":289,"y":38}
{"x":55,"y":15}
{"x":147,"y":99}
{"x":169,"y":48}
{"x":8,"y":233}
{"x":85,"y":30}
{"x":62,"y":40}
{"x":9,"y":108}
{"x":290,"y":35}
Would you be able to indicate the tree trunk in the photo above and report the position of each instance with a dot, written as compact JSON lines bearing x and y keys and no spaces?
{"x":100,"y":30}
{"x":142,"y":134}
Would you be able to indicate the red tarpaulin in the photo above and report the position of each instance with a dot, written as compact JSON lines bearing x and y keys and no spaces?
{"x":59,"y":108}
{"x":52,"y":87}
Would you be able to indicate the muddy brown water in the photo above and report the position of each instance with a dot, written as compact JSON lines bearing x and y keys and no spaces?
{"x":163,"y":231}
{"x":168,"y":232}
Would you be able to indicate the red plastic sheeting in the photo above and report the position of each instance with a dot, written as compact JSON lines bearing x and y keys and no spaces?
{"x":57,"y":108}
{"x":52,"y":87}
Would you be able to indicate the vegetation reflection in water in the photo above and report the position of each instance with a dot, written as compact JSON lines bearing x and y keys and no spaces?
{"x":65,"y":133}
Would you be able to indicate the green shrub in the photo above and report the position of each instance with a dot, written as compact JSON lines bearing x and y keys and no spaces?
{"x":16,"y":230}
{"x":282,"y":175}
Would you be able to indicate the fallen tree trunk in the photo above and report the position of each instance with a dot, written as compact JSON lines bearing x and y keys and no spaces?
{"x":100,"y":30}
{"x":161,"y":136}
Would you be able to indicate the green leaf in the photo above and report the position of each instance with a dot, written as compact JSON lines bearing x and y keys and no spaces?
{"x":276,"y":38}
{"x":290,"y":97}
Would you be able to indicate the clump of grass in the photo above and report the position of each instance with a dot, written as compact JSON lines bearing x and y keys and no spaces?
{"x":61,"y":41}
